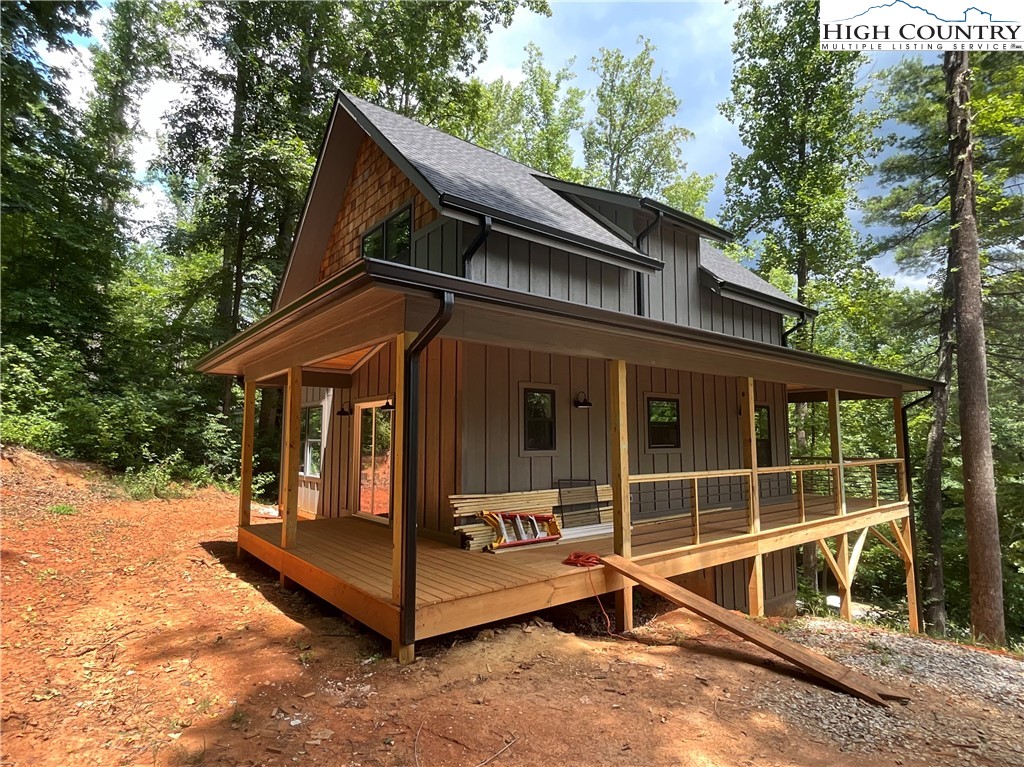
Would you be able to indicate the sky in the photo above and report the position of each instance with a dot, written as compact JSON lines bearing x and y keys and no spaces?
{"x":693,"y":41}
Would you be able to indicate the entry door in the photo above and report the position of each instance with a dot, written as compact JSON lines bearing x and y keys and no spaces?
{"x":374,"y":428}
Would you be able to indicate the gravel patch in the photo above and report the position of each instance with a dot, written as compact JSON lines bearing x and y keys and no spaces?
{"x":966,"y":705}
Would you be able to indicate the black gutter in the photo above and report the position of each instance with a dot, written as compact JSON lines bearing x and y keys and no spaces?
{"x":641,"y":310}
{"x":910,"y":498}
{"x":486,"y":224}
{"x":407,"y":614}
{"x":478,"y":209}
{"x":802,"y":323}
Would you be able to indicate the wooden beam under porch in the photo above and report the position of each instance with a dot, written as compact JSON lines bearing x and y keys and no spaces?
{"x":347,"y":562}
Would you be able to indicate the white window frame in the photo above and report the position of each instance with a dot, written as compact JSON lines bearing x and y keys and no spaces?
{"x":307,"y":441}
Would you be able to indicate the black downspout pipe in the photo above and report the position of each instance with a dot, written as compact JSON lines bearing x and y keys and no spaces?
{"x":486,"y":224}
{"x":407,"y":628}
{"x":910,"y":498}
{"x":641,"y":309}
{"x":800,"y":324}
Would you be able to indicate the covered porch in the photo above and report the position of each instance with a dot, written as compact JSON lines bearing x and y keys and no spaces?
{"x":407,"y":585}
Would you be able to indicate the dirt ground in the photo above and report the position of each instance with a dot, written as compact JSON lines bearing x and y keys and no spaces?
{"x":133,"y":636}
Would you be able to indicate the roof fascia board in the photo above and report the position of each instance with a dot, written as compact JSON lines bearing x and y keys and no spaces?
{"x":639,"y":203}
{"x":607,"y":223}
{"x":452,"y":206}
{"x":419,"y":280}
{"x":692,"y":222}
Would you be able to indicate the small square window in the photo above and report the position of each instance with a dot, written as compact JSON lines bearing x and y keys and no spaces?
{"x":373,"y":243}
{"x":539,"y":419}
{"x":663,"y":423}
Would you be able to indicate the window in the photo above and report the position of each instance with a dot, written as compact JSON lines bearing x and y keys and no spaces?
{"x":763,"y":434}
{"x":663,"y":423}
{"x":373,"y":438}
{"x":391,"y":240}
{"x":538,"y":420}
{"x":310,"y":437}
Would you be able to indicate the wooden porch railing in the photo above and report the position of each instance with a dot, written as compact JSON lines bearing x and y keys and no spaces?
{"x":839,"y":475}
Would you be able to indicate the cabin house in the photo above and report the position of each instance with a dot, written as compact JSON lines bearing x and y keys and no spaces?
{"x":486,"y":368}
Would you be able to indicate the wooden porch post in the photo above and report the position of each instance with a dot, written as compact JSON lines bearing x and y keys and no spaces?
{"x":835,"y":435}
{"x":907,"y":549}
{"x":755,"y":565}
{"x":618,"y":443}
{"x":405,"y":653}
{"x":245,"y":471}
{"x":291,"y":458}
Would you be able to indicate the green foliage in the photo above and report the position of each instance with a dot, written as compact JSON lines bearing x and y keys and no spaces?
{"x":531,"y":122}
{"x":63,"y":510}
{"x":808,"y":141}
{"x":631,"y":144}
{"x":810,"y":601}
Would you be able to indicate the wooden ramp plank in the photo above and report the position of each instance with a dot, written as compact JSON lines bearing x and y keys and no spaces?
{"x":826,"y":669}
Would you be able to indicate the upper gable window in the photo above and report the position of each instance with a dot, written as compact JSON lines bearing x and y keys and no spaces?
{"x":392,"y":239}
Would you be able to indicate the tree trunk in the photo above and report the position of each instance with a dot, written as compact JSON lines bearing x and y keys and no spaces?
{"x":932,"y":502}
{"x":983,"y":551}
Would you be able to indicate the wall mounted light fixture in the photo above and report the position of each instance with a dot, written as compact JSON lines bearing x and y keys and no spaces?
{"x":388,"y":406}
{"x":345,"y":410}
{"x":581,"y":401}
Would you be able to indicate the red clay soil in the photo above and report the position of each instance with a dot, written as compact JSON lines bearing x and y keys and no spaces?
{"x":133,"y":636}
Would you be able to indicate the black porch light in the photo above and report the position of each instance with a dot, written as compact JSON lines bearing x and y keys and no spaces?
{"x":388,"y":406}
{"x":345,"y":410}
{"x":581,"y":401}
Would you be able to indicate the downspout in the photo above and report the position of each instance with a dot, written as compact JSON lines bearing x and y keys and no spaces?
{"x":407,"y":614}
{"x":910,"y":498}
{"x":486,"y":224}
{"x":801,"y":323}
{"x":641,"y":309}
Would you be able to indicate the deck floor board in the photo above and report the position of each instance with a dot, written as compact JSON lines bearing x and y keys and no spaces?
{"x":452,"y":581}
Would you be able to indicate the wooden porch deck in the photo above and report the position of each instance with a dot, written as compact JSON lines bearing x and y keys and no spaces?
{"x":347,"y":562}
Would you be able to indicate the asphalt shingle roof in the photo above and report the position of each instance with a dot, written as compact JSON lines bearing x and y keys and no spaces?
{"x":724,"y":269}
{"x":461,"y":169}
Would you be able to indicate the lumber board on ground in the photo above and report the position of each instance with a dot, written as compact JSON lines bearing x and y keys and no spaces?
{"x":826,"y":669}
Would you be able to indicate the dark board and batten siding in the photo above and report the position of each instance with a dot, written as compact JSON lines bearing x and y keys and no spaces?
{"x":723,"y":315}
{"x":517,"y":264}
{"x":676,"y":295}
{"x":492,"y":459}
{"x":437,"y":247}
{"x":709,"y":413}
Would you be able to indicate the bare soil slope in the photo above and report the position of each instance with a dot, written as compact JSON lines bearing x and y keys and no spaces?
{"x":132,"y":636}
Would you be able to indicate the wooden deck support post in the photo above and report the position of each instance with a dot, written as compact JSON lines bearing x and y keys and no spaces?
{"x":754,"y":565}
{"x":835,"y":435}
{"x":291,"y":458}
{"x":618,"y":444}
{"x":245,"y":470}
{"x":404,"y":653}
{"x":905,"y":531}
